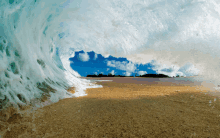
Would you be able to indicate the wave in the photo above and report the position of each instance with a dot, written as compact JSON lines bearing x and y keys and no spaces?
{"x":38,"y":37}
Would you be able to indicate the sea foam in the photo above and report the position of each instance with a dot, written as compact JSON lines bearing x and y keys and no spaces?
{"x":38,"y":37}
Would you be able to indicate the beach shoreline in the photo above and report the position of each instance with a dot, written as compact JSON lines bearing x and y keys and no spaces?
{"x":124,"y":110}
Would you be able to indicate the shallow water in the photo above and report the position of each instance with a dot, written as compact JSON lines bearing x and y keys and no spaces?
{"x":188,"y":81}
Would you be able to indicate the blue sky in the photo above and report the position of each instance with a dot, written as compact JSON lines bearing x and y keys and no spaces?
{"x":92,"y":63}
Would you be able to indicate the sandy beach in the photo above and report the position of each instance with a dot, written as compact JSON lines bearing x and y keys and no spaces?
{"x":123,"y":108}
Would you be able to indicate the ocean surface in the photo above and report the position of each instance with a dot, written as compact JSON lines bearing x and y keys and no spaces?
{"x":184,"y":81}
{"x":37,"y":38}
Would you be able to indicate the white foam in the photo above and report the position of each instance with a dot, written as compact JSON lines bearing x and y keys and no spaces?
{"x":39,"y":37}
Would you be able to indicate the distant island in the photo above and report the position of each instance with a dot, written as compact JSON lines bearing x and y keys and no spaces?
{"x":145,"y":75}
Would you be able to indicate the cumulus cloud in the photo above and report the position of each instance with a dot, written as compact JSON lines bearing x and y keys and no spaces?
{"x":112,"y":72}
{"x":95,"y":57}
{"x":187,"y":70}
{"x":84,"y":57}
{"x":126,"y":66}
{"x":171,"y":71}
{"x":142,"y":72}
{"x":127,"y":73}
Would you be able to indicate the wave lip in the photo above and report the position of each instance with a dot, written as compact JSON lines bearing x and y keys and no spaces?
{"x":31,"y":66}
{"x":38,"y":37}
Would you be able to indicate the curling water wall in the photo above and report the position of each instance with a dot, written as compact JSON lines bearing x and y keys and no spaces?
{"x":38,"y":37}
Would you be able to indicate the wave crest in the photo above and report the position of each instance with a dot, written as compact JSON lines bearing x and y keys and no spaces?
{"x":38,"y":37}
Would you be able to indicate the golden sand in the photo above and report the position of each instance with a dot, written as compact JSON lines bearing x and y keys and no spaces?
{"x":123,"y":110}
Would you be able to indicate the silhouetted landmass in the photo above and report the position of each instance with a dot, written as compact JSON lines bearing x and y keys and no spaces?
{"x":155,"y":75}
{"x":146,"y":75}
{"x":109,"y":75}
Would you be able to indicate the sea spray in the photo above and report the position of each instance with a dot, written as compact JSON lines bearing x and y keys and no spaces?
{"x":38,"y":37}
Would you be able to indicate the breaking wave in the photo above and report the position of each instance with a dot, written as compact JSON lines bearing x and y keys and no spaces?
{"x":38,"y":37}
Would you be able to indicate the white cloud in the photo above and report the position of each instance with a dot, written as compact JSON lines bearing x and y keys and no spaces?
{"x":111,"y":63}
{"x":127,"y":73}
{"x":73,"y":54}
{"x":95,"y":57}
{"x":165,"y":69}
{"x":141,"y":58}
{"x":126,"y":66}
{"x":187,"y":70}
{"x":83,"y":56}
{"x":112,"y":72}
{"x":142,"y":72}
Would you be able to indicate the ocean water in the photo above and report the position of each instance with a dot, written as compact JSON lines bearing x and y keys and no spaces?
{"x":37,"y":37}
{"x":185,"y":81}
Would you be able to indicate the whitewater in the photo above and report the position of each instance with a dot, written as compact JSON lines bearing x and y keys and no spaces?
{"x":38,"y":37}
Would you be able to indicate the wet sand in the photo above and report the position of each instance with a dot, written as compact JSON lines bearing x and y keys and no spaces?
{"x":123,"y":109}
